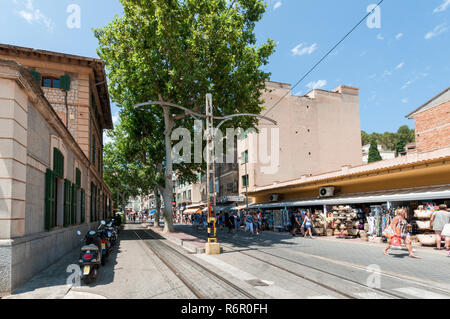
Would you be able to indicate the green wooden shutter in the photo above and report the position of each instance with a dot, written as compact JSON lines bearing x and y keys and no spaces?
{"x":97,"y":209}
{"x":93,"y":150}
{"x":74,"y":204}
{"x":67,"y":202}
{"x":91,"y":209}
{"x":49,"y":199}
{"x":78,"y":178}
{"x":58,"y":163}
{"x":65,"y":82}
{"x":83,"y":206}
{"x":37,"y":77}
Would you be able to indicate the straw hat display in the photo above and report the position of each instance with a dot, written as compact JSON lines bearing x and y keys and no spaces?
{"x":427,"y":240}
{"x":422,"y":218}
{"x":423,"y":225}
{"x":345,"y":222}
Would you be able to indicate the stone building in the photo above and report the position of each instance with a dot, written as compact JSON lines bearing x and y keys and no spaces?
{"x":432,"y":123}
{"x":315,"y":133}
{"x":54,"y":108}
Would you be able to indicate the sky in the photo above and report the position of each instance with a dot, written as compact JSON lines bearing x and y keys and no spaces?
{"x":398,"y":58}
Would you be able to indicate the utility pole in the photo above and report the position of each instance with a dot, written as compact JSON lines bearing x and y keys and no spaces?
{"x":212,"y":247}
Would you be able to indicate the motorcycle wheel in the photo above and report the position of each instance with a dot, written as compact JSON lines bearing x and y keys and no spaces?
{"x":91,"y":277}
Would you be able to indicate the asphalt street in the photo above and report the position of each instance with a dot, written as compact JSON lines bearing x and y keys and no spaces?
{"x":271,"y":265}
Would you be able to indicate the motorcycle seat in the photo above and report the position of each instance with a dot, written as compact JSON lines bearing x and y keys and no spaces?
{"x":89,"y":247}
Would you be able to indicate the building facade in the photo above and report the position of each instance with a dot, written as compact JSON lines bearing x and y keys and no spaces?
{"x":432,"y":123}
{"x":54,"y":110}
{"x":417,"y":175}
{"x":315,"y":133}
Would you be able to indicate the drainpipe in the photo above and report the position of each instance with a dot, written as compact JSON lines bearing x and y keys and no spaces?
{"x":67,"y":110}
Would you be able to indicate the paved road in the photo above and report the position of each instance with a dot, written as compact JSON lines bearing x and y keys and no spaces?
{"x":266,"y":266}
{"x":333,"y":261}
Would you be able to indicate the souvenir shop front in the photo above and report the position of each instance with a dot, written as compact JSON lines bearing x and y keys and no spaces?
{"x":363,"y":215}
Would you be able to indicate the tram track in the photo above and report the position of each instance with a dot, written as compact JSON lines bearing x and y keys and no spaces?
{"x":318,"y":283}
{"x":201,"y":281}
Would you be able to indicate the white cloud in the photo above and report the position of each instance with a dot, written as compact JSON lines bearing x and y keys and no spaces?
{"x":32,"y":15}
{"x":399,"y":66}
{"x":106,"y":138}
{"x":398,"y":36}
{"x":405,"y":100}
{"x":277,"y":5}
{"x":301,"y":50}
{"x":439,"y":29}
{"x":380,"y":36}
{"x":316,"y":85}
{"x":442,"y":7}
{"x":115,"y":119}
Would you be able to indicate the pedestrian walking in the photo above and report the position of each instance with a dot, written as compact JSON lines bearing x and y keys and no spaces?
{"x":294,"y":223}
{"x":308,"y":225}
{"x":249,"y":223}
{"x":399,"y":229}
{"x":438,"y":220}
{"x":238,"y":221}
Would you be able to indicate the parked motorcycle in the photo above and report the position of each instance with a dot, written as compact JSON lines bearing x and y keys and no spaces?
{"x":90,"y":257}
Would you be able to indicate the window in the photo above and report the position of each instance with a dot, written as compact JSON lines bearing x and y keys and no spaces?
{"x":245,"y":157}
{"x":178,"y":197}
{"x":51,"y":82}
{"x":245,"y":180}
{"x":189,"y":195}
{"x":184,"y":195}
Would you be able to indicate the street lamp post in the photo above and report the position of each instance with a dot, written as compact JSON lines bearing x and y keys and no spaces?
{"x":212,"y":245}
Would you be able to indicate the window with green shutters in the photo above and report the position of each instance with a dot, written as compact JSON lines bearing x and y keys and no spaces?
{"x":92,"y":206}
{"x":83,"y":206}
{"x":67,"y":202}
{"x":78,"y":178}
{"x":50,"y":210}
{"x":37,"y":77}
{"x":74,"y":205}
{"x":65,"y":82}
{"x":93,"y":149}
{"x":58,"y":163}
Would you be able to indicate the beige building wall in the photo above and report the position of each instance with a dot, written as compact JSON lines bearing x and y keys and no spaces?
{"x":318,"y":132}
{"x":32,"y":123}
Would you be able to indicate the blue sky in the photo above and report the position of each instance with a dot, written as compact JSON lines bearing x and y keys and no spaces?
{"x":397,"y":67}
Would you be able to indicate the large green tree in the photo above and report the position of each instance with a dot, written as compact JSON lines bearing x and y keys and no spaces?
{"x":178,"y":51}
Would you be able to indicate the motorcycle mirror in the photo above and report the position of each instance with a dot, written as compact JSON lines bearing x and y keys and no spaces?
{"x":103,"y":222}
{"x":78,"y":233}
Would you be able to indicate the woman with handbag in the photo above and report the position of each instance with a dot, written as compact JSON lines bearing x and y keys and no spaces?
{"x":397,"y":231}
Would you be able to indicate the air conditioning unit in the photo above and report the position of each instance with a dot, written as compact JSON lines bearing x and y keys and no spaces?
{"x":326,"y":192}
{"x":274,"y":197}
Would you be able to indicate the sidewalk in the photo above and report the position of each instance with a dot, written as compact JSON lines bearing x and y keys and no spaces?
{"x":191,"y":243}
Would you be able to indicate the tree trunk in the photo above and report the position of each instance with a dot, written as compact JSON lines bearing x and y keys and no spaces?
{"x":158,"y":206}
{"x":168,"y":190}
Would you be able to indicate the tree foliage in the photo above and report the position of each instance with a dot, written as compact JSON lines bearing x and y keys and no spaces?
{"x":391,"y":141}
{"x":374,"y":154}
{"x":178,"y":51}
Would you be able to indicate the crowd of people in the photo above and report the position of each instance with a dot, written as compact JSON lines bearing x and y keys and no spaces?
{"x":251,"y":222}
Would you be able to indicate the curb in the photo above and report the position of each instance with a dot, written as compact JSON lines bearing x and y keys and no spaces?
{"x":184,"y":244}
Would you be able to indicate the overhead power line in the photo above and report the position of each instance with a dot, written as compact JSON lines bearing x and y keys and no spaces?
{"x":325,"y":56}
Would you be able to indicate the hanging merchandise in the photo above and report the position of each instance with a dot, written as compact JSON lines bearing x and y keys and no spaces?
{"x":346,"y":222}
{"x":422,"y":224}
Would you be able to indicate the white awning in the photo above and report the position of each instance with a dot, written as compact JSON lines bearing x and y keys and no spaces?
{"x":192,"y":211}
{"x":399,"y":195}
